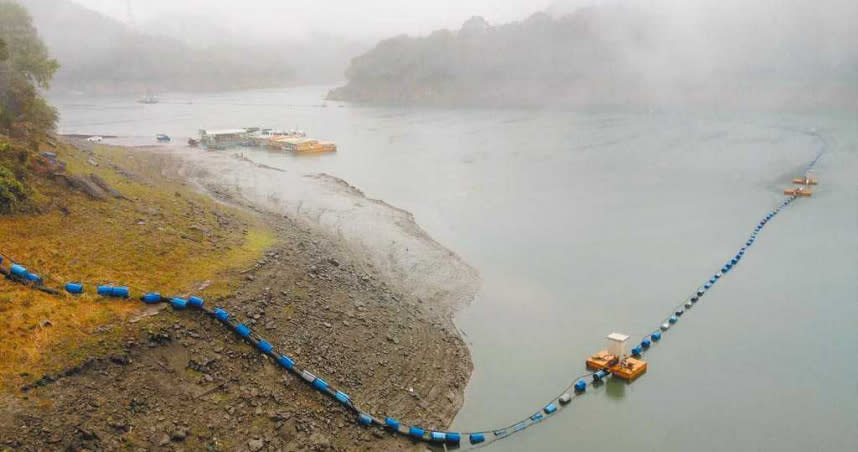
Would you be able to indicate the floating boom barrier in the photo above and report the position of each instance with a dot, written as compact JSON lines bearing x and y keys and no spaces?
{"x":19,"y":273}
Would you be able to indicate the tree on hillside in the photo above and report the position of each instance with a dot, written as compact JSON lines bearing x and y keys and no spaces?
{"x":25,"y":67}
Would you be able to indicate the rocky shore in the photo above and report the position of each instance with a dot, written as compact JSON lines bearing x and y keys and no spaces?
{"x":184,"y":382}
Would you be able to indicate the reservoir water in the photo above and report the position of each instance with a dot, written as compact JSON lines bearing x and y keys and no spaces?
{"x":585,"y":223}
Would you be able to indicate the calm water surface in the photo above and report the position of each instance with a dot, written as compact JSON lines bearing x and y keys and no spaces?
{"x":582,"y":224}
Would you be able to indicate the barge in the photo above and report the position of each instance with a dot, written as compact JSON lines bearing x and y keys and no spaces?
{"x":294,"y":141}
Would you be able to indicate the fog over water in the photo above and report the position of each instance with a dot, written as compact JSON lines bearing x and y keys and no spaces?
{"x":581,"y":224}
{"x":730,"y":54}
{"x":657,"y":134}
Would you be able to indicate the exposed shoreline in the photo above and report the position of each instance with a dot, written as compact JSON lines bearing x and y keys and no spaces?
{"x":385,"y":238}
{"x":389,"y":343}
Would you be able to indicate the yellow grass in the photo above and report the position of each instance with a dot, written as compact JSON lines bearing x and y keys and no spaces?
{"x":164,"y":238}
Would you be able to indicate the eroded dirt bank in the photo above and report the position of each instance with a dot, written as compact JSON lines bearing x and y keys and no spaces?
{"x":378,"y":235}
{"x":184,"y":382}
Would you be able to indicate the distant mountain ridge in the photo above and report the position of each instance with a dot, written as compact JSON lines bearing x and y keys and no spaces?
{"x":615,"y":54}
{"x":99,"y":54}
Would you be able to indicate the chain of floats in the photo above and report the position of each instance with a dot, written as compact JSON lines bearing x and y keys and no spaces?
{"x":19,"y":273}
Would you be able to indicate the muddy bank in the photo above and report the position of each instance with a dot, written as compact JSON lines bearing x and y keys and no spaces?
{"x":183,"y":382}
{"x":379,"y":237}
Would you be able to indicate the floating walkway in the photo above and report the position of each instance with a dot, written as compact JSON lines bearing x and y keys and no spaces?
{"x":19,"y":273}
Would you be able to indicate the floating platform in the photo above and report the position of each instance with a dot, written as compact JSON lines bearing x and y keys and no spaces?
{"x":799,"y":191}
{"x":602,"y":360}
{"x":629,"y":369}
{"x":805,"y":181}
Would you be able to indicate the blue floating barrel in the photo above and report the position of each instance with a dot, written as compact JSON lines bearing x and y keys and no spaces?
{"x":320,"y":384}
{"x":416,"y":432}
{"x":453,"y":438}
{"x":286,"y":362}
{"x":19,"y":271}
{"x":391,"y":423}
{"x":656,"y":336}
{"x":364,"y":419}
{"x":712,"y":280}
{"x":700,"y":292}
{"x":242,"y":330}
{"x":679,"y":312}
{"x":734,"y":261}
{"x":636,"y":351}
{"x":718,"y":275}
{"x":707,"y":286}
{"x":221,"y":315}
{"x":264,"y":346}
{"x":536,"y":417}
{"x":179,"y":303}
{"x":550,"y":408}
{"x":728,"y":265}
{"x":476,"y":438}
{"x":693,"y":299}
{"x":195,"y":302}
{"x":438,"y":437}
{"x":580,"y":386}
{"x":32,"y":277}
{"x":748,"y":243}
{"x":1,"y":259}
{"x":342,"y":397}
{"x":599,"y":375}
{"x":725,"y":269}
{"x":673,"y":319}
{"x":645,"y":343}
{"x":110,"y":291}
{"x":151,"y":297}
{"x":75,"y":288}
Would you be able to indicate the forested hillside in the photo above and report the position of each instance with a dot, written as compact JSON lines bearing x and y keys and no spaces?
{"x":614,"y":54}
{"x":99,"y":54}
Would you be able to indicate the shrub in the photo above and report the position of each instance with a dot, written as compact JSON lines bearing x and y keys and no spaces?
{"x":12,"y":191}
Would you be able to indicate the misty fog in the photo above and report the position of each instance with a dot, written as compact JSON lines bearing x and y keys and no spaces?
{"x":375,"y":225}
{"x":577,"y":52}
{"x":274,"y":19}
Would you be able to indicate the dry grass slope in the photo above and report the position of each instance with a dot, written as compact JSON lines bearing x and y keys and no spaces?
{"x":159,"y":237}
